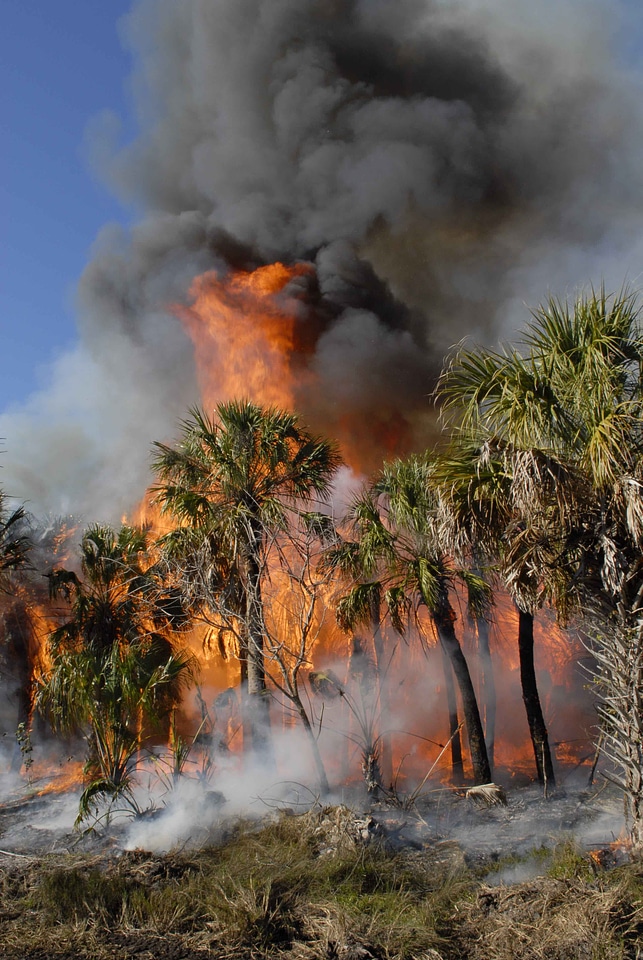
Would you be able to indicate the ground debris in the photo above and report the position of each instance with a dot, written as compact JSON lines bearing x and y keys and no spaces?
{"x":337,"y":829}
{"x":150,"y":867}
{"x":487,"y":795}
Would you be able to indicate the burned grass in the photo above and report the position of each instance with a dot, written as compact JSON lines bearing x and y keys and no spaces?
{"x":311,"y":887}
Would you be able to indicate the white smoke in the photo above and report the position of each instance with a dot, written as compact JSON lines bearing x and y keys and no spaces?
{"x":239,"y":787}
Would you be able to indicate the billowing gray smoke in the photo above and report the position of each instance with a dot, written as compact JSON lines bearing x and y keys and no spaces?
{"x":439,"y":161}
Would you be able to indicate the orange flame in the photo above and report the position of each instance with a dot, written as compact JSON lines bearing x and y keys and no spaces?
{"x":244,"y":327}
{"x":59,"y":779}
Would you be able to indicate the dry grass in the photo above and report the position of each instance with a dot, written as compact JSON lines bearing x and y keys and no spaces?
{"x":549,"y":919}
{"x":309,"y":888}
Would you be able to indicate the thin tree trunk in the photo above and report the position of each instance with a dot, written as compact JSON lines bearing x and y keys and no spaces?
{"x":324,"y":789}
{"x":531,"y":698}
{"x":488,"y":687}
{"x":444,"y":619}
{"x":457,"y":767}
{"x":488,"y":692}
{"x":386,"y":757}
{"x":257,"y":701}
{"x":246,"y":725}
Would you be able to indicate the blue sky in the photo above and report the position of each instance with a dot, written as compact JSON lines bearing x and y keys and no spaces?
{"x":61,"y":63}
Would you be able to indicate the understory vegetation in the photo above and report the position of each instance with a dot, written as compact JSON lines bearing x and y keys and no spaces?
{"x":302,"y":887}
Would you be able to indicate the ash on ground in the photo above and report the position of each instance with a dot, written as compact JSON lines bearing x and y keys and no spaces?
{"x":591,"y":816}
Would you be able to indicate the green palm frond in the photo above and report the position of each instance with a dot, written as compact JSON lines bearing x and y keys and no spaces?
{"x":15,"y":542}
{"x":357,"y":606}
{"x":376,"y":541}
{"x":399,"y":608}
{"x":428,"y":578}
{"x":506,"y":395}
{"x":608,"y":449}
{"x":479,"y":593}
{"x":472,"y":380}
{"x":343,"y":557}
{"x":110,"y":667}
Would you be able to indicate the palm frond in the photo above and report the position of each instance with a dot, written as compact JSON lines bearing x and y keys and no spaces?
{"x":356,"y":607}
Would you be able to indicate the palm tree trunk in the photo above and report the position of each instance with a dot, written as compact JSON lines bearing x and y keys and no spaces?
{"x":457,"y":768}
{"x":324,"y":788}
{"x":531,"y":699}
{"x":488,"y":693}
{"x":488,"y":687}
{"x":246,"y":726}
{"x":444,"y":618}
{"x":386,"y":758}
{"x":257,"y":702}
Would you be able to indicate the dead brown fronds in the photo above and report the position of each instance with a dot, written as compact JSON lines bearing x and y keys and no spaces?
{"x":487,"y":795}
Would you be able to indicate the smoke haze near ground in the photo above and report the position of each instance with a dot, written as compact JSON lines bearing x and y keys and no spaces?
{"x":440,"y":164}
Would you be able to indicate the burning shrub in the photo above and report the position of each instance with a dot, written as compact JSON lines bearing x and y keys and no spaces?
{"x":112,"y":676}
{"x":233,"y":485}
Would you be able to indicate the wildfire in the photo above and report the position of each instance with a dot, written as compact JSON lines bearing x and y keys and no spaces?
{"x":253,"y":335}
{"x":59,"y":779}
{"x":245,"y":327}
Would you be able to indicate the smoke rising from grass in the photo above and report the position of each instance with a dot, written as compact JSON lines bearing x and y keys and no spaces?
{"x":438,"y":163}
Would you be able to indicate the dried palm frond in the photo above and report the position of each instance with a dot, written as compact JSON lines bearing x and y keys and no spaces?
{"x":487,"y":795}
{"x":325,"y":684}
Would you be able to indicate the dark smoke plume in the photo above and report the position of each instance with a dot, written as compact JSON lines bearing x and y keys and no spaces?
{"x":438,"y":162}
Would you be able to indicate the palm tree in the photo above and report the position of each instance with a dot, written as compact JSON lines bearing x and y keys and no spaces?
{"x":400,"y":549}
{"x":233,"y":481}
{"x":499,"y":497}
{"x":470,"y":486}
{"x":564,"y":420}
{"x":112,"y":672}
{"x":497,"y":511}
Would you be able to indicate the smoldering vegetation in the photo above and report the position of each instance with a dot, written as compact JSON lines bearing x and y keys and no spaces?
{"x":436,"y":164}
{"x":318,"y":886}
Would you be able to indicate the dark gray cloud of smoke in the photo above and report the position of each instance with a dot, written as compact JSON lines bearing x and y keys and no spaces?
{"x":439,"y":162}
